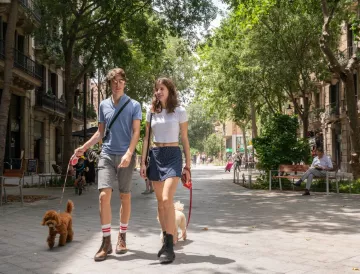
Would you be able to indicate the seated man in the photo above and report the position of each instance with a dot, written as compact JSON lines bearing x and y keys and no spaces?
{"x":319,"y":166}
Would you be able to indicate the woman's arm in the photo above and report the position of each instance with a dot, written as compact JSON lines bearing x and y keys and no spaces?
{"x":185,"y":143}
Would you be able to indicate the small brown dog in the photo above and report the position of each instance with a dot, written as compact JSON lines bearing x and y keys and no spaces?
{"x":59,"y":223}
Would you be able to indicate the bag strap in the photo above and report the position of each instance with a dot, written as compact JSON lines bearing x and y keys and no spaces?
{"x":117,"y":114}
{"x":148,"y":144}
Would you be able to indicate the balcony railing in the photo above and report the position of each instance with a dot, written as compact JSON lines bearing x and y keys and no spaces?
{"x":24,"y":63}
{"x":50,"y":102}
{"x":29,"y":5}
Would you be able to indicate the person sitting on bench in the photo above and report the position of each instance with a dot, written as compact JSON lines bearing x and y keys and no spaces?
{"x":319,"y":166}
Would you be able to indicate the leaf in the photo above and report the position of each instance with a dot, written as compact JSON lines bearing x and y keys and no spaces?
{"x":205,"y":228}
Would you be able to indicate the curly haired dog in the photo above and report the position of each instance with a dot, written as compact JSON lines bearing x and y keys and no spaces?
{"x":59,"y":223}
{"x":180,"y":222}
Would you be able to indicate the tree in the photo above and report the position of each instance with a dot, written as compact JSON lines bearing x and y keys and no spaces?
{"x":200,"y":126}
{"x":212,"y":145}
{"x":6,"y":93}
{"x":92,"y":30}
{"x":278,"y":143}
{"x":344,"y":70}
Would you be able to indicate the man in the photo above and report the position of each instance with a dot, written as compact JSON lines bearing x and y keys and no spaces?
{"x":117,"y":158}
{"x":319,"y":166}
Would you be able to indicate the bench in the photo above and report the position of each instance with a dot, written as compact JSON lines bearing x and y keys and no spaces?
{"x":291,"y":172}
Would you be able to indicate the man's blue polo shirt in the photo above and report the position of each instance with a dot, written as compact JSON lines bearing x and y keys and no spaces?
{"x":121,"y":131}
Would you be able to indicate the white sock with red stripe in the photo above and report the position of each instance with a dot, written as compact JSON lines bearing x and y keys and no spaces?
{"x":106,"y":229}
{"x":123,"y":227}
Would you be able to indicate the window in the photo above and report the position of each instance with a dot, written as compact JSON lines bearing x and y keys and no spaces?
{"x":317,"y":99}
{"x":350,"y":40}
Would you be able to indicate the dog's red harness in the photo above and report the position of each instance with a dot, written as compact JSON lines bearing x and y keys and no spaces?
{"x":188,"y":184}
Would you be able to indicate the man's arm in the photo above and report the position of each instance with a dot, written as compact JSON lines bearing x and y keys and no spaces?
{"x":98,"y":135}
{"x":135,"y":137}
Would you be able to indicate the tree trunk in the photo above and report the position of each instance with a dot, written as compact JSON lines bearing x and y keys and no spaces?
{"x":243,"y":129}
{"x":305,"y":117}
{"x":69,"y":95}
{"x":253,"y":125}
{"x":253,"y":121}
{"x":9,"y":63}
{"x":354,"y":124}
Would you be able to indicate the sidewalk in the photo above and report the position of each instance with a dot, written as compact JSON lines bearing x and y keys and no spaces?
{"x":232,"y":230}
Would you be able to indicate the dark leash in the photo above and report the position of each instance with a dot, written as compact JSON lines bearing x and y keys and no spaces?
{"x":188,"y":185}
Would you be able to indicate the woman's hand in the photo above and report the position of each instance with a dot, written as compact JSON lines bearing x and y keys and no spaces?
{"x":186,"y":171}
{"x":143,"y":171}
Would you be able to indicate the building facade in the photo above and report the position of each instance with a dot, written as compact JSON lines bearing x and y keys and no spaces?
{"x":37,"y":106}
{"x":328,"y":118}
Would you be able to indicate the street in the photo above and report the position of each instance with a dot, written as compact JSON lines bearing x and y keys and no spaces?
{"x":232,"y":230}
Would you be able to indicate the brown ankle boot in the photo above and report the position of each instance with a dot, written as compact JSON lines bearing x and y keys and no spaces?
{"x":121,"y":244}
{"x":104,"y":250}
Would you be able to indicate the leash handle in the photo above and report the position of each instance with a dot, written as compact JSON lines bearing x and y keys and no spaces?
{"x":188,"y":185}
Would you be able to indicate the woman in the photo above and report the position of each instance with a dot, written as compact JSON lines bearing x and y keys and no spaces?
{"x":168,"y":119}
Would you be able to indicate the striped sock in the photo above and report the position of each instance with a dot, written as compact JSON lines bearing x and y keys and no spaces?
{"x":106,"y":230}
{"x":123,"y":227}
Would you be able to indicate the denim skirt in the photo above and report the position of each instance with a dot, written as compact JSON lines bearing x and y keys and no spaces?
{"x":165,"y":162}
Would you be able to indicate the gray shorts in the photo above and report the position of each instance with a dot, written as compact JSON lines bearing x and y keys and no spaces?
{"x":108,"y":173}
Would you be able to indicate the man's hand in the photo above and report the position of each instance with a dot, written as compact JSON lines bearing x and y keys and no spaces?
{"x":125,"y":160}
{"x":79,"y":151}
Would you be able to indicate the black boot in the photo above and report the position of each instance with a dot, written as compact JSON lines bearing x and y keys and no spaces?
{"x":168,"y":256}
{"x":162,"y":249}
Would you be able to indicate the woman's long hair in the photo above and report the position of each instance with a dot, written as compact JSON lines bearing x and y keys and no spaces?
{"x":172,"y":101}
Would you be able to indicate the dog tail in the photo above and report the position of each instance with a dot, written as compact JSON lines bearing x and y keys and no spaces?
{"x":69,"y":206}
{"x":179,"y":206}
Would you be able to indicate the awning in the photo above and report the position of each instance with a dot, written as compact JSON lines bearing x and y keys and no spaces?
{"x":89,"y":132}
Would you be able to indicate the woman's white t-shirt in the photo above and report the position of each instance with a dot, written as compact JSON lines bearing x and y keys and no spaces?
{"x":166,"y":126}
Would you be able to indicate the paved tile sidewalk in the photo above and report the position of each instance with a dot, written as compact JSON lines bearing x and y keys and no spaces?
{"x":232,"y":230}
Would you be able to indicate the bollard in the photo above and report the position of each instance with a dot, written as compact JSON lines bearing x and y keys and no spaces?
{"x":250,"y":181}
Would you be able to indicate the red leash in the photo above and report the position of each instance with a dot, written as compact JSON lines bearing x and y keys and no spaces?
{"x":189,"y":186}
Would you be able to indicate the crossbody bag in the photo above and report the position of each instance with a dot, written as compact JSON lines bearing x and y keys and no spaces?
{"x":147,"y":159}
{"x":107,"y":130}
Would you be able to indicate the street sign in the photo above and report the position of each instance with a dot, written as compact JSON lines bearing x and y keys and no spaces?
{"x":229,"y":150}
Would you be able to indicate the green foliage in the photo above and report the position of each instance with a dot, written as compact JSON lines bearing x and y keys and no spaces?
{"x":90,"y":112}
{"x":200,"y":126}
{"x":278,"y":143}
{"x":213,"y":145}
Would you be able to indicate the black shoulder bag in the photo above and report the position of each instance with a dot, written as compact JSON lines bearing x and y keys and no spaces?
{"x":107,"y":130}
{"x":147,"y":159}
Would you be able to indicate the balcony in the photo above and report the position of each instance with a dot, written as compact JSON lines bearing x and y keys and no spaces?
{"x":344,"y":56}
{"x":30,"y":6}
{"x":332,"y":112}
{"x":50,"y":104}
{"x":24,"y":67}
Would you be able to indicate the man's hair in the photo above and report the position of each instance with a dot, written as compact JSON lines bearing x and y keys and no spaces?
{"x":320,"y":149}
{"x":113,"y":72}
